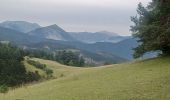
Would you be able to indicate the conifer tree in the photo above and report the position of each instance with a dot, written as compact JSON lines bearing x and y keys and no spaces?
{"x":152,"y":27}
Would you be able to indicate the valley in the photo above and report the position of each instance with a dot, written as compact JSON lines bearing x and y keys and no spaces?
{"x":52,"y":38}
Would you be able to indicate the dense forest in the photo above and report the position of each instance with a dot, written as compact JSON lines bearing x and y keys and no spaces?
{"x":12,"y":69}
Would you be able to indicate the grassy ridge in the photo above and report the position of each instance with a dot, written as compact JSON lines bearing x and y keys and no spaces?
{"x":143,"y":80}
{"x":32,"y":68}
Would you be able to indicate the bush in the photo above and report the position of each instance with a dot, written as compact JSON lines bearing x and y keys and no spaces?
{"x":4,"y":89}
{"x":31,"y":76}
{"x":43,"y":67}
{"x":49,"y":72}
{"x":36,"y":64}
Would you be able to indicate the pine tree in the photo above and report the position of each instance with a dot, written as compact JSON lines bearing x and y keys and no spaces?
{"x":152,"y":27}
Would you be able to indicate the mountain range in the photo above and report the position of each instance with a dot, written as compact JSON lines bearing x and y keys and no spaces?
{"x":52,"y":32}
{"x":102,"y":36}
{"x":21,"y":26}
{"x":98,"y":48}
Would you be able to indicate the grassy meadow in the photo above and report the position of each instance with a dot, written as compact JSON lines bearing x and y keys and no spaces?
{"x":140,"y":80}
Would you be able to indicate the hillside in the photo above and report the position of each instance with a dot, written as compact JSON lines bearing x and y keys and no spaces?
{"x":101,"y":50}
{"x":52,"y":32}
{"x":16,"y":36}
{"x":38,"y":42}
{"x":21,"y":26}
{"x":140,"y":80}
{"x":123,"y":49}
{"x":12,"y":35}
{"x":102,"y":36}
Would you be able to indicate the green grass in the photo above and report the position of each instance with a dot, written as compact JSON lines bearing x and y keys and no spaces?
{"x":141,"y":80}
{"x":31,"y":68}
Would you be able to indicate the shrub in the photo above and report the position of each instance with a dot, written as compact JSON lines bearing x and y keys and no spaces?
{"x":43,"y":67}
{"x":4,"y":89}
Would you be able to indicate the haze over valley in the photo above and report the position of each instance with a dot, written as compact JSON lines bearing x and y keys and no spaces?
{"x":91,"y":45}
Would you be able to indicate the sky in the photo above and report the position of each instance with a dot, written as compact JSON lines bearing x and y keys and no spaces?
{"x":74,"y":15}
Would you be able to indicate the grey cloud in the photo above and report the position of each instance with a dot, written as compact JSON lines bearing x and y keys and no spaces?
{"x":85,"y":18}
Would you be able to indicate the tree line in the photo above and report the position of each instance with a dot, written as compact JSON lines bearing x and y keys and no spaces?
{"x":65,"y":57}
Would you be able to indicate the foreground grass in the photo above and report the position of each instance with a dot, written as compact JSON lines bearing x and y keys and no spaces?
{"x":143,"y":80}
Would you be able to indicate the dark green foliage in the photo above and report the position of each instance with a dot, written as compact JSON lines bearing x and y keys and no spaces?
{"x":152,"y":27}
{"x":69,"y":58}
{"x":3,"y":88}
{"x":37,"y":64}
{"x":44,"y":54}
{"x":33,"y":76}
{"x":81,"y":62}
{"x":64,"y":57}
{"x":43,"y":67}
{"x":49,"y":72}
{"x":12,"y":71}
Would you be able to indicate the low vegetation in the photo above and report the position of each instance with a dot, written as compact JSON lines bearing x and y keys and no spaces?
{"x":65,"y":57}
{"x":140,"y":80}
{"x":43,"y":67}
{"x":12,"y":69}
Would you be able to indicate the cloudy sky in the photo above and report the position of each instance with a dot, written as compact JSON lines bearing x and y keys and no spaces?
{"x":74,"y":15}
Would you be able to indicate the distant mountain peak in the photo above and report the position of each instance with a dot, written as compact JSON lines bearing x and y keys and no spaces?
{"x":56,"y":27}
{"x":21,"y":26}
{"x":53,"y":32}
{"x":19,"y":22}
